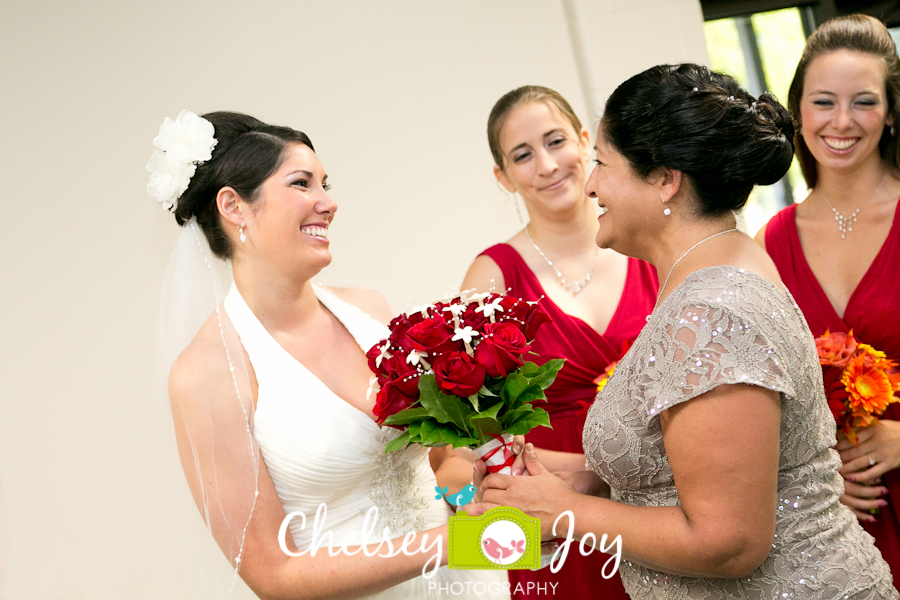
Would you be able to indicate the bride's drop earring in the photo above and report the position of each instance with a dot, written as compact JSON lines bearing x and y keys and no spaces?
{"x":241,"y":231}
{"x":667,"y":211}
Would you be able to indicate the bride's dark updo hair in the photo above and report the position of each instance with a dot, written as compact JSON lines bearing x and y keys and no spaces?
{"x":702,"y":123}
{"x":247,"y":153}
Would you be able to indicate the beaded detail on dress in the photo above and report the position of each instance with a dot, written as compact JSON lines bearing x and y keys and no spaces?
{"x":724,"y":326}
{"x":394,"y":493}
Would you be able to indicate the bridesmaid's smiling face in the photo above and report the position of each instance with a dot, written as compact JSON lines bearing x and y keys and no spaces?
{"x":544,"y":157}
{"x":843,"y":109}
{"x":288,"y":225}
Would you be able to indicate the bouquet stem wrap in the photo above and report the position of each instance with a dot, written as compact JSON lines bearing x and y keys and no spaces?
{"x":497,"y":454}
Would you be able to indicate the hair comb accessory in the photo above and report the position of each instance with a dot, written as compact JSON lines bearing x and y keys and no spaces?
{"x":181,"y":145}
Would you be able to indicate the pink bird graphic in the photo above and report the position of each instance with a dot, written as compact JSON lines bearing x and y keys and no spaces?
{"x":498,"y":552}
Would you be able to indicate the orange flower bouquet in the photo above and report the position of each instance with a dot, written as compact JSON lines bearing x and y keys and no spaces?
{"x":860,"y":381}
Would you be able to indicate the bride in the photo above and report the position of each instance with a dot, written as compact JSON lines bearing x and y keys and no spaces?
{"x":270,"y":398}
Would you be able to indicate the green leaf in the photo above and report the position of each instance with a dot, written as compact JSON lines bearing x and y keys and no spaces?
{"x":511,"y":416}
{"x":487,"y":421}
{"x":531,"y":393}
{"x":473,"y":400}
{"x":440,"y":435}
{"x":407,"y":416}
{"x":538,"y":417}
{"x":398,"y":443}
{"x":515,"y":385}
{"x":444,"y":408}
{"x":414,"y":430}
{"x":527,"y":369}
{"x":484,"y":391}
{"x":546,"y":373}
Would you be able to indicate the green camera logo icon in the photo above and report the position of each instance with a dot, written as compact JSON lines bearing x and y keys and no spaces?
{"x":501,"y":538}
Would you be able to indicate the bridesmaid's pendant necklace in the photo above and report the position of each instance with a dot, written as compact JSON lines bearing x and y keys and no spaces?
{"x":663,"y":288}
{"x":563,"y":281}
{"x":845,"y":224}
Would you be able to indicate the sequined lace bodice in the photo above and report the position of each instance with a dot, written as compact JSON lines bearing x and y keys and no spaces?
{"x":726,"y":326}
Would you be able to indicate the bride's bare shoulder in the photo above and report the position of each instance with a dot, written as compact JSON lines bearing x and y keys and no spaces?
{"x":371,"y":302}
{"x":201,"y":369}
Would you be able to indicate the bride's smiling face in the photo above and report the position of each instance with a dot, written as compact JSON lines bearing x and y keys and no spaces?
{"x":289,"y":222}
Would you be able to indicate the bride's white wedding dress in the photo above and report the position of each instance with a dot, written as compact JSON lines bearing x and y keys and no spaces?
{"x":319,"y":449}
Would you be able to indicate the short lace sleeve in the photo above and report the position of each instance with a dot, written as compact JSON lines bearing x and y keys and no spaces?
{"x":707,"y":340}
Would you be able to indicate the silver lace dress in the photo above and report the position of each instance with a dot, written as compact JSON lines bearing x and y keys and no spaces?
{"x":722,"y":326}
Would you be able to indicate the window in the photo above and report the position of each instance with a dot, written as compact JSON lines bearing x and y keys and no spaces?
{"x":761,"y":51}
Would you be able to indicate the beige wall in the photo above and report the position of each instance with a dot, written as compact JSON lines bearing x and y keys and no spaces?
{"x":394,"y":95}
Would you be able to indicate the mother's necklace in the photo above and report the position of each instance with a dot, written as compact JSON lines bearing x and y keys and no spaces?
{"x":578,"y":285}
{"x":663,"y":288}
{"x":845,"y":224}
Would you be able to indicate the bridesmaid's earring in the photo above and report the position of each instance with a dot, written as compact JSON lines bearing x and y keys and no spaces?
{"x":241,"y":231}
{"x":515,"y":200}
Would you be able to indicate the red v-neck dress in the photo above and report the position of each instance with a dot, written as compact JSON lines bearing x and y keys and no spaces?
{"x":873,"y":313}
{"x":587,"y":355}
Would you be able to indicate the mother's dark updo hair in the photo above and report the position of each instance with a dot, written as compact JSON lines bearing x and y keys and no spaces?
{"x":702,"y":123}
{"x":247,"y":153}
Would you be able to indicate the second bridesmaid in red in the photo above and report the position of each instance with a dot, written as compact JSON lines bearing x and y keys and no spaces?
{"x":598,"y":299}
{"x":839,"y":251}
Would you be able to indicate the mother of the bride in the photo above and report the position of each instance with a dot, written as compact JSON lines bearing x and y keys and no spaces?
{"x":713,"y":434}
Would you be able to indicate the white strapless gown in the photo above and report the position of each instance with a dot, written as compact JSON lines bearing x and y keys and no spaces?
{"x":319,"y":449}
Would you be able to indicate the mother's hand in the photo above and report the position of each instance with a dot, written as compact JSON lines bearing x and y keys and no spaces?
{"x":877,"y":452}
{"x":542,"y":495}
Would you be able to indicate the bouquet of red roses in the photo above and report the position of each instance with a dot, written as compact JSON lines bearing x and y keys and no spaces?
{"x":454,"y":373}
{"x":860,"y":381}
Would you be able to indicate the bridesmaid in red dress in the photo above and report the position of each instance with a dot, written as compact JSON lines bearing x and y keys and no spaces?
{"x":839,"y":251}
{"x":598,"y":299}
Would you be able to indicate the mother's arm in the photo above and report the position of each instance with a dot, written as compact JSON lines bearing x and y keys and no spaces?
{"x":723,"y":448}
{"x":213,"y":447}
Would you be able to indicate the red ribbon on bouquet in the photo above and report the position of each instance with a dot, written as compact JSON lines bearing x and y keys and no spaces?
{"x":508,"y":457}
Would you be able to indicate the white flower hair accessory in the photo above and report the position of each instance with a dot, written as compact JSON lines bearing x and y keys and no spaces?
{"x":182,"y":145}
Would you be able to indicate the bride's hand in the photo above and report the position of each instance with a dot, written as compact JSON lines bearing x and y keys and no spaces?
{"x":480,"y":468}
{"x":543,"y":495}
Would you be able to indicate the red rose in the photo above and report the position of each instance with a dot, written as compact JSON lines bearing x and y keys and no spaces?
{"x":501,"y":349}
{"x":474,"y":319}
{"x":838,"y":410}
{"x":389,"y":401}
{"x":836,"y":393}
{"x":400,"y":327}
{"x":528,"y":316}
{"x":372,"y":356}
{"x":535,"y":319}
{"x":434,"y":336}
{"x":459,"y":375}
{"x":835,"y":348}
{"x":402,"y":374}
{"x":834,"y":388}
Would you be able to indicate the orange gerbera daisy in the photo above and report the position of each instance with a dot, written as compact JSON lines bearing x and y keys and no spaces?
{"x":869,"y":387}
{"x":601,"y":379}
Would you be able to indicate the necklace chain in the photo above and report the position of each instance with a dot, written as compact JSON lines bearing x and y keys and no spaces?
{"x":563,"y":280}
{"x":845,"y":224}
{"x":663,"y":288}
